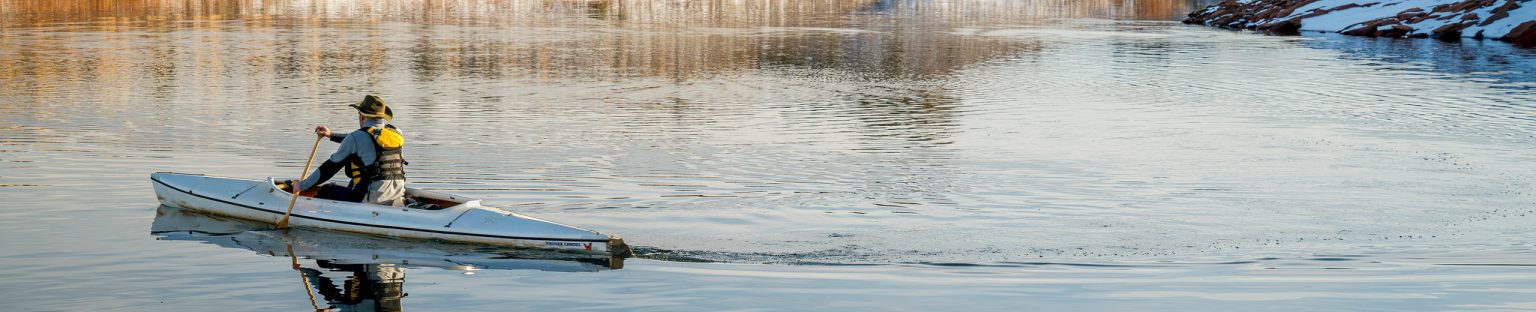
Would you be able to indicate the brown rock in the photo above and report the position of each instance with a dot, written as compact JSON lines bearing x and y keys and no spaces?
{"x":1450,"y":31}
{"x":1443,"y":8}
{"x":1467,"y":6}
{"x":1469,"y":17}
{"x":1224,"y":22}
{"x":1292,"y":8}
{"x":1391,"y":33}
{"x":1525,"y":34}
{"x":1395,"y":31}
{"x":1494,"y":17}
{"x":1500,"y":12}
{"x":1289,"y":27}
{"x":1474,"y":5}
{"x":1347,"y":6}
{"x":1368,"y":29}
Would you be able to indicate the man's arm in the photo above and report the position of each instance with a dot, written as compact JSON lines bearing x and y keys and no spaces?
{"x":324,"y":131}
{"x":329,"y":168}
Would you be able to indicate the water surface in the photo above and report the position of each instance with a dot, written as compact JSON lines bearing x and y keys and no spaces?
{"x":784,"y":155}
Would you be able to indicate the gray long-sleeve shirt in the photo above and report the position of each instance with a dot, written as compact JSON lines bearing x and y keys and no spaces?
{"x":360,"y":143}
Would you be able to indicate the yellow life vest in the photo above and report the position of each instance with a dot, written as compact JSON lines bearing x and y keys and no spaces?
{"x":389,"y":163}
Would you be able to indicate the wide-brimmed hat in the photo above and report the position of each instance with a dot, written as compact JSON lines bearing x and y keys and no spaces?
{"x":373,"y":107}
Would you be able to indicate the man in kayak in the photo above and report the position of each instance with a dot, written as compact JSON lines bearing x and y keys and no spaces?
{"x":371,"y":155}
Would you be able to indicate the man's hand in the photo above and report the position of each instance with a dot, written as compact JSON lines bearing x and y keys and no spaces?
{"x":323,"y":131}
{"x":289,"y":185}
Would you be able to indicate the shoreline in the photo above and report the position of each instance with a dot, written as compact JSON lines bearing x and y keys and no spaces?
{"x":1505,"y":20}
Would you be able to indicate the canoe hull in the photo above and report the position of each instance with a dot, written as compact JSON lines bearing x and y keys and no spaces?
{"x":469,"y":222}
{"x":337,"y":247}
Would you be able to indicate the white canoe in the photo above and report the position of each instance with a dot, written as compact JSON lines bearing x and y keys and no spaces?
{"x":181,"y":224}
{"x":463,"y":219}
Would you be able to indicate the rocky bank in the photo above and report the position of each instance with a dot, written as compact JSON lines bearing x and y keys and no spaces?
{"x":1508,"y":20}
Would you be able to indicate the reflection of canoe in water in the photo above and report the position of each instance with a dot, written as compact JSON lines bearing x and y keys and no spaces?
{"x":463,"y":219}
{"x":329,"y":247}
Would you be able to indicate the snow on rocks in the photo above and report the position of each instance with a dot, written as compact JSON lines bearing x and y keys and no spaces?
{"x":1509,"y":20}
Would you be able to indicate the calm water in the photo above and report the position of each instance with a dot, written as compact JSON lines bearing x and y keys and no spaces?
{"x":775,"y":155}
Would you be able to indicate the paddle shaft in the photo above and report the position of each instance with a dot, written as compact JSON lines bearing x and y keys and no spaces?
{"x":284,"y":223}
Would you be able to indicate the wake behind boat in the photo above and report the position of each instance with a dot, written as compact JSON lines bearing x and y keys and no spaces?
{"x":445,"y":217}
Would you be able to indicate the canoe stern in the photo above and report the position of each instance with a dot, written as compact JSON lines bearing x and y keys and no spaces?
{"x":617,"y":247}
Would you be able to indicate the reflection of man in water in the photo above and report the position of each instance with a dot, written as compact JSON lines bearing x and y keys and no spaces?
{"x":371,"y":287}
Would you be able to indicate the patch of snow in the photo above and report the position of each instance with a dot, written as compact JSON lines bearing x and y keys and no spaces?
{"x":1339,"y":20}
{"x":1319,"y":5}
{"x":1501,"y":27}
{"x":1428,"y":26}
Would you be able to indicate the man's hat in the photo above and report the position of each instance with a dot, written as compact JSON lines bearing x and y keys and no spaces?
{"x":373,"y":107}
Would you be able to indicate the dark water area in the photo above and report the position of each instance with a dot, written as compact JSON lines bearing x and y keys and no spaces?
{"x":774,"y":155}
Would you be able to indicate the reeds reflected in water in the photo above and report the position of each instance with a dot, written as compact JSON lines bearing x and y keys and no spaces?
{"x":497,"y":39}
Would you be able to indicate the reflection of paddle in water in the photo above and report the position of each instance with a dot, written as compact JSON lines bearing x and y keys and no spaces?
{"x":302,"y":277}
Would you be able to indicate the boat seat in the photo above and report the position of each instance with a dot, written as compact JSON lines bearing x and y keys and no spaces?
{"x":422,"y":203}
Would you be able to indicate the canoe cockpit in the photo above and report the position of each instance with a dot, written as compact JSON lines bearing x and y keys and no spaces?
{"x":414,"y":198}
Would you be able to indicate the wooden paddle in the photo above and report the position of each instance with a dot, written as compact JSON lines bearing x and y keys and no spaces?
{"x":284,"y":223}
